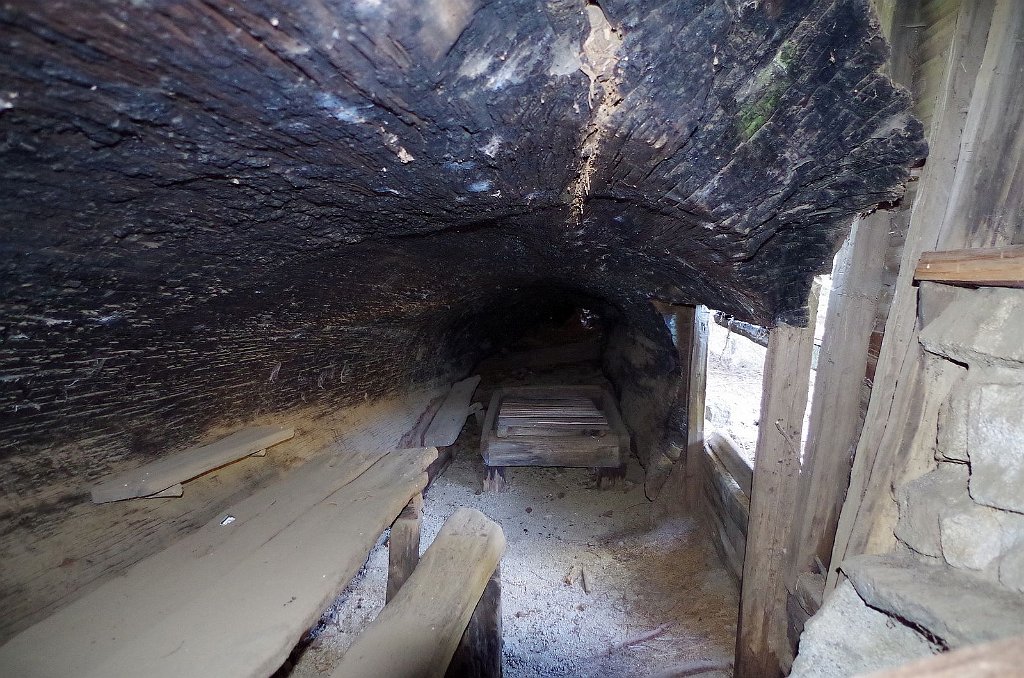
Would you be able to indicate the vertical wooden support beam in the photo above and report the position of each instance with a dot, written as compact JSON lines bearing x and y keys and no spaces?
{"x":697,"y":382}
{"x":841,"y":396}
{"x":479,"y":651}
{"x":761,"y":642}
{"x":404,"y":545}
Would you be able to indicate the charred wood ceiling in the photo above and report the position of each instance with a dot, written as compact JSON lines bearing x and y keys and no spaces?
{"x":211,"y":208}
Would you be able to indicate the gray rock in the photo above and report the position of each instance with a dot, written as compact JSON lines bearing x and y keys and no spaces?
{"x":951,"y":444}
{"x":995,"y":440}
{"x":971,"y":537}
{"x":982,"y":327}
{"x":1011,"y":569}
{"x":955,"y":606}
{"x":847,"y":638}
{"x":922,"y":500}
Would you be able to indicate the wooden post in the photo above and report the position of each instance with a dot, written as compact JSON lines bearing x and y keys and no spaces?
{"x":841,"y":396}
{"x":761,"y":637}
{"x":697,"y":381}
{"x":479,"y":651}
{"x":404,"y":545}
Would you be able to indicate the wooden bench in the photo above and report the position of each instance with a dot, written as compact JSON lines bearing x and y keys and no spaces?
{"x":445,"y":618}
{"x":234,"y":597}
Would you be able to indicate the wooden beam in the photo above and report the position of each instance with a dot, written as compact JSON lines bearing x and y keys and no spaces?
{"x":416,"y":634}
{"x":725,"y":450}
{"x":992,"y":266}
{"x":761,"y":643}
{"x":989,"y":660}
{"x":696,"y":385}
{"x":841,"y":395}
{"x":479,"y":652}
{"x":155,"y":478}
{"x":404,"y":545}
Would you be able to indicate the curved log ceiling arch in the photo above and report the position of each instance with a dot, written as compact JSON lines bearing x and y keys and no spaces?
{"x":198,"y":194}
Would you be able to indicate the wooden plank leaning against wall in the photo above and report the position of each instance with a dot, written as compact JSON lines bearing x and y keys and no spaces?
{"x":969,"y":197}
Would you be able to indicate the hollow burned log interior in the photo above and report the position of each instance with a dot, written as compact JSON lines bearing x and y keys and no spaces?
{"x":218,"y":214}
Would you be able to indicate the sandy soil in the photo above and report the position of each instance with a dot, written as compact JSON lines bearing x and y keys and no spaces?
{"x":646,"y":579}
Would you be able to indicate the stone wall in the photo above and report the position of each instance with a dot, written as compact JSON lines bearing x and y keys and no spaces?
{"x":957,"y":574}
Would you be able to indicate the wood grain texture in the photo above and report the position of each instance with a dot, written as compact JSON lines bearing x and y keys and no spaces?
{"x":416,"y":634}
{"x":983,"y":266}
{"x":174,"y":469}
{"x":80,"y":546}
{"x":404,"y":545}
{"x":998,"y":659}
{"x":761,"y":641}
{"x":215,"y":211}
{"x":253,"y":585}
{"x":696,"y":348}
{"x":840,"y":395}
{"x":604,"y":450}
{"x":479,"y":652}
{"x":728,"y":455}
{"x":446,"y":425}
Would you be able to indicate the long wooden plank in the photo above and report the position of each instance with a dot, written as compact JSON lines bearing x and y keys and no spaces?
{"x":576,"y":451}
{"x":446,"y":425}
{"x":725,"y":451}
{"x":994,"y":266}
{"x":552,"y":430}
{"x":761,"y":642}
{"x":696,"y":324}
{"x":416,"y":634}
{"x":233,"y":598}
{"x":840,"y":395}
{"x":989,"y":660}
{"x":174,"y":469}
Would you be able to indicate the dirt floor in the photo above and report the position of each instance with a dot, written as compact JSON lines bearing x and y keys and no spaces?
{"x":656,"y":600}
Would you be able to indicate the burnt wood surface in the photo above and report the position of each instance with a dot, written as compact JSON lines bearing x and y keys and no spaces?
{"x":211,"y":210}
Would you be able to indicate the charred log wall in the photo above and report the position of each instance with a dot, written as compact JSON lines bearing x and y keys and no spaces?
{"x":212,"y":209}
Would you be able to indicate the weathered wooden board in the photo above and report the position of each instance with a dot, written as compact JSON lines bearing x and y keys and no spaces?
{"x":416,"y":634}
{"x":731,"y":502}
{"x":761,"y":640}
{"x":841,"y":393}
{"x":992,"y":266}
{"x":446,"y":425}
{"x":550,"y":417}
{"x":575,"y":451}
{"x":553,"y":429}
{"x":479,"y":652}
{"x":724,"y":449}
{"x":404,"y":545}
{"x":233,"y":598}
{"x":695,"y":323}
{"x":173,"y":469}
